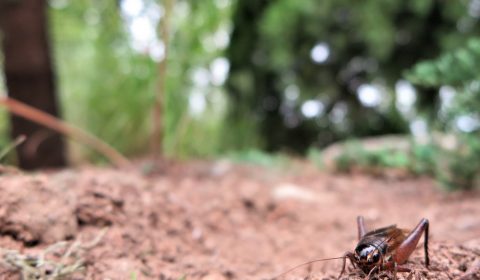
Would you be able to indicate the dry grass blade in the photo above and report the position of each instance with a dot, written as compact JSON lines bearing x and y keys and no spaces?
{"x":19,"y":140}
{"x":35,"y":115}
{"x":59,"y":261}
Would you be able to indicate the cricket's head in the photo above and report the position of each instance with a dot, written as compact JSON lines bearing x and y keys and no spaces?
{"x":367,"y":256}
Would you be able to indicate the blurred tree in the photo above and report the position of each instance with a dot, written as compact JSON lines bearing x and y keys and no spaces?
{"x":158,"y":107}
{"x":248,"y":77}
{"x":30,"y":78}
{"x":108,"y":58}
{"x":312,"y":72}
{"x":106,"y":86}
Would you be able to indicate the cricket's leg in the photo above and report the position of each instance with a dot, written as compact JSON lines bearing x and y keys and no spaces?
{"x":410,"y":243}
{"x":371,"y":272}
{"x":361,"y":227}
{"x":351,"y":257}
{"x":394,"y":268}
{"x":398,"y":268}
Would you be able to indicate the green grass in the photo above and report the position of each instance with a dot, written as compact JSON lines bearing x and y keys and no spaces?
{"x":258,"y":157}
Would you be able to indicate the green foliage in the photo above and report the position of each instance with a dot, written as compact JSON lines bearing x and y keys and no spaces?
{"x":459,"y":168}
{"x":418,"y":159}
{"x":363,"y":43}
{"x":453,"y":68}
{"x":315,"y":156}
{"x":456,"y":168}
{"x":355,"y":156}
{"x":258,"y":157}
{"x":108,"y":88}
{"x":423,"y":159}
{"x":4,"y":139}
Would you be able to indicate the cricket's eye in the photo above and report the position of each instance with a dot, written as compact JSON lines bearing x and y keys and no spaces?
{"x":365,"y":252}
{"x":375,"y":257}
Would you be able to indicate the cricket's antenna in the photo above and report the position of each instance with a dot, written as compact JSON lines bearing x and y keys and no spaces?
{"x":303,"y":264}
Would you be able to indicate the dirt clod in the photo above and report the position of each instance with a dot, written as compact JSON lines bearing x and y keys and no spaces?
{"x":34,"y":210}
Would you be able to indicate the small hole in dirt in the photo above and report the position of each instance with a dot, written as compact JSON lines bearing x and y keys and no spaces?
{"x":48,"y":271}
{"x":229,"y":274}
{"x":16,"y":236}
{"x":87,"y":219}
{"x":80,"y":222}
{"x":153,"y":219}
{"x":118,"y":203}
{"x":188,"y":224}
{"x":249,"y":204}
{"x":271,"y":206}
{"x":462,"y":267}
{"x":32,"y":243}
{"x":170,"y":259}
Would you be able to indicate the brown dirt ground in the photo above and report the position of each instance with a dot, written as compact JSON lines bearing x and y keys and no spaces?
{"x":219,"y":221}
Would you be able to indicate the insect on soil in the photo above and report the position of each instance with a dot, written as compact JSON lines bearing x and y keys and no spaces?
{"x":384,"y":249}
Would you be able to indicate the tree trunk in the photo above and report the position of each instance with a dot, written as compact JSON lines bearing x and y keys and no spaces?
{"x":30,"y":79}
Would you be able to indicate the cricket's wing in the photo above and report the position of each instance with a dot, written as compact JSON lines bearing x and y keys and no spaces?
{"x":387,"y":238}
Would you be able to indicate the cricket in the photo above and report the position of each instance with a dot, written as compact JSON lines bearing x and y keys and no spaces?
{"x":383,"y":249}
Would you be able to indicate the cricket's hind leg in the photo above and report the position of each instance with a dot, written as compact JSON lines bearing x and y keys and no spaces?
{"x":407,"y":247}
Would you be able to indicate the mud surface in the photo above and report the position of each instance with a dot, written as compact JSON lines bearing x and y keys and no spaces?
{"x":219,"y":221}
